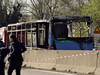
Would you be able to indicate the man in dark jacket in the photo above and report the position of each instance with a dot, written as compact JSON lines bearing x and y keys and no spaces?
{"x":3,"y":52}
{"x":15,"y":58}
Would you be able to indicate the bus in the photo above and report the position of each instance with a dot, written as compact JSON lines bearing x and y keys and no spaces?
{"x":65,"y":33}
{"x":32,"y":34}
{"x":58,"y":33}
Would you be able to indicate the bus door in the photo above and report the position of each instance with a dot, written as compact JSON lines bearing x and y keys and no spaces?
{"x":42,"y":29}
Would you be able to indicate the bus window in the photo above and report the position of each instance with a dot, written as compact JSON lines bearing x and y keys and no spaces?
{"x":60,"y":31}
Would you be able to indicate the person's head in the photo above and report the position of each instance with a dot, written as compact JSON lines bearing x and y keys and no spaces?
{"x":0,"y":37}
{"x":12,"y":37}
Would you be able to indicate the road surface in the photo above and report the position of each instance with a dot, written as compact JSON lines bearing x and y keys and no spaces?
{"x":39,"y":72}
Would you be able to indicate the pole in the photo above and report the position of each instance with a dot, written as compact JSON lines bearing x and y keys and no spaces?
{"x":16,"y":32}
{"x":25,"y":35}
{"x":31,"y":37}
{"x":96,"y":43}
{"x":71,"y":30}
{"x":80,"y":29}
{"x":21,"y":34}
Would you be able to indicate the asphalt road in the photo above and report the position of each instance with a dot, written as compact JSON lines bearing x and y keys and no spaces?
{"x":39,"y":72}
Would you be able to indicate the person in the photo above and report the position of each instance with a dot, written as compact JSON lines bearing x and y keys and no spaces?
{"x":3,"y":52}
{"x":15,"y":58}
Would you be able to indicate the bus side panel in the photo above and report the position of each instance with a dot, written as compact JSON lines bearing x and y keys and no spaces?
{"x":75,"y":44}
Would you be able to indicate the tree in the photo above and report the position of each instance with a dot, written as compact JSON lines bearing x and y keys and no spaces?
{"x":14,"y":13}
{"x":92,"y":8}
{"x":3,"y":12}
{"x":9,"y":12}
{"x":71,"y":7}
{"x":43,"y":9}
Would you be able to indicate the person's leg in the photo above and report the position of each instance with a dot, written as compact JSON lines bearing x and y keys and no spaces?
{"x":10,"y":69}
{"x":18,"y":68}
{"x":2,"y":70}
{"x":2,"y":66}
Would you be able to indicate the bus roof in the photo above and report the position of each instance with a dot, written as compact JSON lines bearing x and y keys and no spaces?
{"x":35,"y":21}
{"x":71,"y":18}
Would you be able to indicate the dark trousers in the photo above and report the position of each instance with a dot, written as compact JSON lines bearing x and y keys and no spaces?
{"x":2,"y":66}
{"x":13,"y":66}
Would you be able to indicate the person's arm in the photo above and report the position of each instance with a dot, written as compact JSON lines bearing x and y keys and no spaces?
{"x":23,"y":48}
{"x":4,"y":49}
{"x":12,"y":51}
{"x":7,"y":51}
